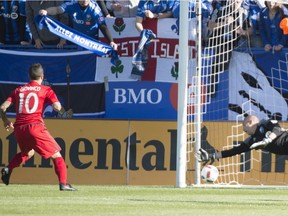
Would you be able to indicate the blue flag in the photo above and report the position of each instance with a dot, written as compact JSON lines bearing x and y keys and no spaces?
{"x":76,"y":37}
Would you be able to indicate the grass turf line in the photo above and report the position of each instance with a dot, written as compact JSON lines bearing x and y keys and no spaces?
{"x":140,"y":200}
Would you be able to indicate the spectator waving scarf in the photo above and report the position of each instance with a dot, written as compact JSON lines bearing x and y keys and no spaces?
{"x":76,"y":37}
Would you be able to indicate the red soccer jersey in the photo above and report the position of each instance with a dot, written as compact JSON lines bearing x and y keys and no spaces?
{"x":29,"y":101}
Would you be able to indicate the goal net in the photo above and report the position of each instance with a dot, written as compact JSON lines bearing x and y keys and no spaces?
{"x":235,"y":81}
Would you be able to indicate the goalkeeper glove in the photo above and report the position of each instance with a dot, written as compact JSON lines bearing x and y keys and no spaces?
{"x":204,"y":156}
{"x":261,"y":144}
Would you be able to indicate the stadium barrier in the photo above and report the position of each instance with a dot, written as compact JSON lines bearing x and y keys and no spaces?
{"x":126,"y":153}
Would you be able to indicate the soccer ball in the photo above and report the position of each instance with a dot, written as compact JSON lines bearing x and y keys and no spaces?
{"x":209,"y":173}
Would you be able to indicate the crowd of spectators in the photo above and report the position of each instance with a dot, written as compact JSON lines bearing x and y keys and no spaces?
{"x":259,"y":19}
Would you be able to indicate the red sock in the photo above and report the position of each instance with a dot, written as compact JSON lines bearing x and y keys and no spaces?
{"x":17,"y":160}
{"x":60,"y":169}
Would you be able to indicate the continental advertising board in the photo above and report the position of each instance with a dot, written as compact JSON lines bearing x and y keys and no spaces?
{"x":126,"y":153}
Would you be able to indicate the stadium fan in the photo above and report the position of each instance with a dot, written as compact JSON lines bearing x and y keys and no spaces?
{"x":123,"y":8}
{"x":86,"y":16}
{"x":29,"y":128}
{"x":253,"y":8}
{"x":156,"y":9}
{"x":13,"y":27}
{"x":102,"y":5}
{"x":43,"y":37}
{"x":207,"y":10}
{"x":263,"y":134}
{"x":269,"y":25}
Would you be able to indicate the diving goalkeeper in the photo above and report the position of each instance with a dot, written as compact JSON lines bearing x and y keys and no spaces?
{"x":263,"y":134}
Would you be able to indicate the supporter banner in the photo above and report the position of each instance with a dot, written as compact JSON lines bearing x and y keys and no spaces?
{"x":57,"y":63}
{"x":163,"y":52}
{"x":86,"y":100}
{"x":254,"y":85}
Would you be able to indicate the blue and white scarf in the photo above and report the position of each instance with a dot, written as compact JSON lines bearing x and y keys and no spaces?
{"x":140,"y":58}
{"x":76,"y":37}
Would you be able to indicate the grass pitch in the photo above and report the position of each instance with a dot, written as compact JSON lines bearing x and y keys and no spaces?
{"x":140,"y":200}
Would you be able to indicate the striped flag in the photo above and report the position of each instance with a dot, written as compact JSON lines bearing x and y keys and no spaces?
{"x":163,"y":52}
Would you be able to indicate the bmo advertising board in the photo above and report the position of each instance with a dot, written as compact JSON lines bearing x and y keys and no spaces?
{"x":148,"y":100}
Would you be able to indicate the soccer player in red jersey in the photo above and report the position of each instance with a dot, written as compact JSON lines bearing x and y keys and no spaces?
{"x":29,"y":128}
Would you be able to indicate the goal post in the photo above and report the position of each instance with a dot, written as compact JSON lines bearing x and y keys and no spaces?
{"x":181,"y":161}
{"x":183,"y":142}
{"x":217,"y":70}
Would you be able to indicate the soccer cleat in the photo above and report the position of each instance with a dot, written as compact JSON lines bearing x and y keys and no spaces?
{"x":66,"y":187}
{"x":5,"y":175}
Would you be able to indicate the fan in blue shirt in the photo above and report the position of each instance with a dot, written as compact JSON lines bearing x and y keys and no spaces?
{"x":13,"y":28}
{"x":153,"y":9}
{"x":86,"y":17}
